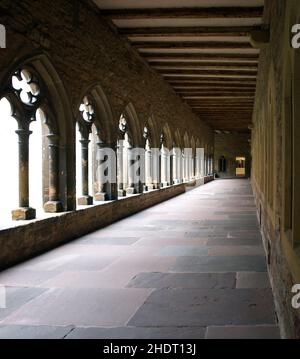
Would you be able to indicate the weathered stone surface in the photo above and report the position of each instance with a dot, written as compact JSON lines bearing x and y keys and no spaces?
{"x":82,"y":307}
{"x":191,"y":307}
{"x":253,"y":280}
{"x":53,"y":207}
{"x":23,"y":214}
{"x":29,"y":240}
{"x":17,"y":297}
{"x":137,"y":333}
{"x":85,"y":201}
{"x":184,"y":280}
{"x":243,"y":332}
{"x":124,"y":281}
{"x":220,"y":264}
{"x":33,"y":332}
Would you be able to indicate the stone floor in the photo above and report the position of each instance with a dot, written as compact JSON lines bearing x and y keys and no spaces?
{"x":189,"y":268}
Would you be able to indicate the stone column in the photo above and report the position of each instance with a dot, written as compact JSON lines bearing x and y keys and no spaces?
{"x":139,"y":170}
{"x":175,"y":167}
{"x":188,"y":169}
{"x":86,"y":199}
{"x":172,"y":165}
{"x":192,"y":175}
{"x":120,"y":161}
{"x":148,"y":170}
{"x":180,"y":168}
{"x":53,"y":205}
{"x":183,"y":166}
{"x":164,"y":169}
{"x":167,"y":168}
{"x":101,"y":194}
{"x":130,"y":163}
{"x":155,"y":168}
{"x":24,"y":212}
{"x":196,"y":165}
{"x":107,"y":177}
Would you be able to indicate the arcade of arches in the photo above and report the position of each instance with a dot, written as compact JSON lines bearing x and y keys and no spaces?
{"x":212,"y":110}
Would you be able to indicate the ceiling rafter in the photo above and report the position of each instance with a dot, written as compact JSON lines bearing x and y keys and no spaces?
{"x":205,"y":54}
{"x":186,"y":13}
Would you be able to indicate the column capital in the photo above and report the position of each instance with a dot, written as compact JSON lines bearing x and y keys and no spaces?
{"x":102,"y":145}
{"x":23,"y":133}
{"x":85,"y":143}
{"x":53,"y":139}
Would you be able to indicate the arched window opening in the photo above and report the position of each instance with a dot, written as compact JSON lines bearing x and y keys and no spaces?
{"x":188,"y":164}
{"x":124,"y":151}
{"x":240,"y":166}
{"x":37,"y":154}
{"x":222,"y":164}
{"x":36,"y":170}
{"x":176,"y":164}
{"x":9,"y":159}
{"x":164,"y":163}
{"x":85,"y":146}
{"x":148,"y":162}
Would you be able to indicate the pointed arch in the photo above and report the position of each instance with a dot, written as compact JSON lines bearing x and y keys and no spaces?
{"x":60,"y":119}
{"x":167,"y":136}
{"x":135,"y":132}
{"x":154,"y":134}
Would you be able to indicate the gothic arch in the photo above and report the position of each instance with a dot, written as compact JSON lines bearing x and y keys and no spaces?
{"x":178,"y":139}
{"x":104,"y":114}
{"x":154,"y":135}
{"x":135,"y":132}
{"x":186,"y":140}
{"x":59,"y":110}
{"x":167,"y":136}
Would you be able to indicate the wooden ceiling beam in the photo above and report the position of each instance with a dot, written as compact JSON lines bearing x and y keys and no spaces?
{"x":205,"y":72}
{"x":212,"y":82}
{"x":204,"y":97}
{"x":217,"y":95}
{"x":201,"y":57}
{"x":191,"y":45}
{"x":229,"y":112}
{"x":215,"y":90}
{"x":186,"y":13}
{"x":220,"y":101}
{"x":175,"y":77}
{"x":203,"y":66}
{"x":214,"y":87}
{"x":222,"y":109}
{"x":224,"y":31}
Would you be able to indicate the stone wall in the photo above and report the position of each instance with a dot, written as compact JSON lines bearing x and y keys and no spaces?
{"x":232,"y":146}
{"x":75,"y":52}
{"x":85,"y":51}
{"x":20,"y":243}
{"x":272,"y":152}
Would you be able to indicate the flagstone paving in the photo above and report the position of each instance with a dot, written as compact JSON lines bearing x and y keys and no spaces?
{"x":189,"y":268}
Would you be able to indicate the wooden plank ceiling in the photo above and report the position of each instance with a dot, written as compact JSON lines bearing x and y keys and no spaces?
{"x":201,"y":48}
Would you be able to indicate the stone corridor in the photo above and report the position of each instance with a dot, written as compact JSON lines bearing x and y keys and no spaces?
{"x":191,"y":267}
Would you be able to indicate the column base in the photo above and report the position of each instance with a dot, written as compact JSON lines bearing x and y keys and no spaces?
{"x":53,"y":207}
{"x":164,"y":185}
{"x":130,"y":190}
{"x":150,"y":187}
{"x":145,"y":188}
{"x":85,"y":201}
{"x":101,"y":197}
{"x":23,"y":214}
{"x":121,"y":193}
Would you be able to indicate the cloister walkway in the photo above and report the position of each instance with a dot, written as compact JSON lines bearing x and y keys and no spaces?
{"x":191,"y":267}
